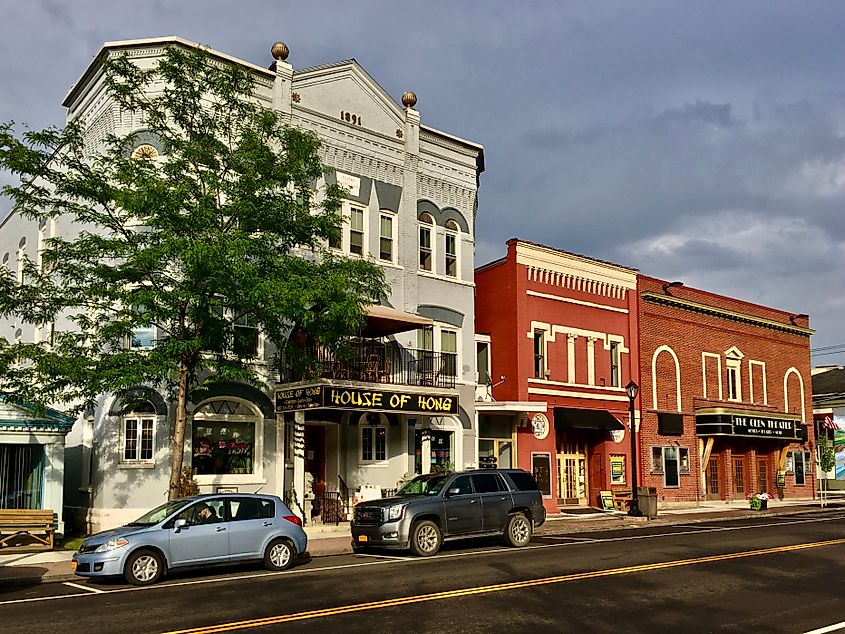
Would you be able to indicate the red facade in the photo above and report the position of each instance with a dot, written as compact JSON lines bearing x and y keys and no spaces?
{"x":727,"y":383}
{"x":563,"y":335}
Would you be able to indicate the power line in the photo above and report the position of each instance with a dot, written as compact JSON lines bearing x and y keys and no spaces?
{"x":836,"y":345}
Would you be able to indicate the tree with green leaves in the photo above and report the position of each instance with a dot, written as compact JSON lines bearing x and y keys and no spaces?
{"x":225,"y":227}
{"x":826,"y":459}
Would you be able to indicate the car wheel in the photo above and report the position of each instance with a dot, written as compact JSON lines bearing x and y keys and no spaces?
{"x":144,"y":567}
{"x":518,"y":530}
{"x":279,"y":555}
{"x":425,"y":539}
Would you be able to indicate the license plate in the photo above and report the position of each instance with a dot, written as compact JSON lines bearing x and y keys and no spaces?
{"x":362,"y":538}
{"x":73,"y":565}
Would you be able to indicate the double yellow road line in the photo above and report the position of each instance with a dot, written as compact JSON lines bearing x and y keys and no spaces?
{"x":499,"y":587}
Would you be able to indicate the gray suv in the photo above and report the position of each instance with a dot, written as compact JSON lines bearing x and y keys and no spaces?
{"x":436,"y":507}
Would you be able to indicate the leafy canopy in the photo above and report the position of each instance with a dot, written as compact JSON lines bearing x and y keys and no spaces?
{"x":226,"y":227}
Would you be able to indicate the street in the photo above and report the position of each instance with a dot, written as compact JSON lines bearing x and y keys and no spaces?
{"x":778,"y":574}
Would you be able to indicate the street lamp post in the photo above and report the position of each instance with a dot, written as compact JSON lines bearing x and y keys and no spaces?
{"x":632,"y":389}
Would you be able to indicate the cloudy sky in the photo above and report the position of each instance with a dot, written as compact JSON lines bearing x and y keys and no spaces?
{"x":696,"y":141}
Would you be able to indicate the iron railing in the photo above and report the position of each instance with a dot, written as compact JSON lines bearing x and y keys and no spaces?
{"x":376,"y":362}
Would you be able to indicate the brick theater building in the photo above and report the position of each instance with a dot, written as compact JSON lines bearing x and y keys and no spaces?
{"x":726,"y":396}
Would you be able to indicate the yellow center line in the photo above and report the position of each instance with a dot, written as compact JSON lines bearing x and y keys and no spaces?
{"x":499,"y":587}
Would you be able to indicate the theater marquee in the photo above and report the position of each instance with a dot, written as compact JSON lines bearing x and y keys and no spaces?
{"x":725,"y":422}
{"x":342,"y":397}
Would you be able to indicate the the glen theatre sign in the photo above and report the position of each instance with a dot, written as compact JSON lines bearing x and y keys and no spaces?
{"x":723,"y":422}
{"x":341,"y":397}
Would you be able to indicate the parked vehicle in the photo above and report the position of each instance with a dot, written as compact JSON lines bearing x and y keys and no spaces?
{"x":436,"y":507}
{"x":195,"y":531}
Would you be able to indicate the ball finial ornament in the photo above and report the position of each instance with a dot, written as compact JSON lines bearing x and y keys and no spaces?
{"x":409,"y":99}
{"x":280,"y":51}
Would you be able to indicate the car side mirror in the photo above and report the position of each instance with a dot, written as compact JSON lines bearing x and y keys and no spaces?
{"x":453,"y":491}
{"x":179,"y":524}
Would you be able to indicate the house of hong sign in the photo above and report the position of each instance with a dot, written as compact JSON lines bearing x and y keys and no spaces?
{"x":342,"y":397}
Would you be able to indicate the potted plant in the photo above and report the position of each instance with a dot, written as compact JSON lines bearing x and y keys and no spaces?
{"x":759,"y":501}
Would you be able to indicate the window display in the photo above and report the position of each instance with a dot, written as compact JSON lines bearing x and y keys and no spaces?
{"x":223,"y":448}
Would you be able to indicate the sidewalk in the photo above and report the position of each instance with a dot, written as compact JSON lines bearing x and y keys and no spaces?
{"x":23,"y":569}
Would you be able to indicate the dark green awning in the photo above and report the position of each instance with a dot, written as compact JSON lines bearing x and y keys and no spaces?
{"x":586,"y":418}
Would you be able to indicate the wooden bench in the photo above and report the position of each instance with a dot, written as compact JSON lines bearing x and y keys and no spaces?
{"x":36,"y":523}
{"x":621,"y":498}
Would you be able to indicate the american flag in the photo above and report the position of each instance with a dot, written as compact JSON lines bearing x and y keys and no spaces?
{"x":827,"y":423}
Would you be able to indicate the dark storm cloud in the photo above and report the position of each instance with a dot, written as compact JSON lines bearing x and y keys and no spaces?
{"x":700,"y":141}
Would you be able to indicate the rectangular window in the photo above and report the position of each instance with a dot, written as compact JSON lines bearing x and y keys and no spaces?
{"x":449,"y":352}
{"x":482,"y":362}
{"x":138,"y":439}
{"x":246,"y":338}
{"x":539,"y":350}
{"x":143,"y":336}
{"x":373,"y":444}
{"x":614,"y":364}
{"x":733,"y":391}
{"x":356,"y":231}
{"x":451,"y":254}
{"x":336,"y":241}
{"x":223,"y":447}
{"x":425,"y":248}
{"x":798,"y":465}
{"x":670,"y":424}
{"x":386,"y":238}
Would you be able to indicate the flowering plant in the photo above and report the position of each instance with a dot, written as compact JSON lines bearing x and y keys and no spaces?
{"x":758,"y":500}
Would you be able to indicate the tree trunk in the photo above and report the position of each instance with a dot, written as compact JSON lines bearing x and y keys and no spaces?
{"x":178,"y":448}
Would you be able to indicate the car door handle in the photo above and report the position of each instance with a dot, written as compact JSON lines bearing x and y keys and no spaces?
{"x":268,"y":523}
{"x":220,"y":529}
{"x":473,"y":501}
{"x":504,"y":498}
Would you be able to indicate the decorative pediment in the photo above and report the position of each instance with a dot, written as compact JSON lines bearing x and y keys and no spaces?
{"x":734,"y":353}
{"x":346,"y":92}
{"x":15,"y":416}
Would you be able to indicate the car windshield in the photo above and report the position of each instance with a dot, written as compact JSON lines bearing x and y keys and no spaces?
{"x":423,"y":485}
{"x":159,"y":513}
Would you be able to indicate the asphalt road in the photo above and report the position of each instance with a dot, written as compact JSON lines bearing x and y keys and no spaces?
{"x":777,"y":574}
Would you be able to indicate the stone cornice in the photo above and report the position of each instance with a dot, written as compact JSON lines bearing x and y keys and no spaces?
{"x":723,"y":313}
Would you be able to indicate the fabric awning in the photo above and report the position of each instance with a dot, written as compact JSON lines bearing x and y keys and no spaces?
{"x":383,"y":320}
{"x":586,"y":418}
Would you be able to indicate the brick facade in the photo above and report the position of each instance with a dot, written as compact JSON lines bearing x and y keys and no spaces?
{"x":688,"y":340}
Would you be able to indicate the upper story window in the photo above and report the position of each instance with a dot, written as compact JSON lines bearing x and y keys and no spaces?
{"x":733,"y":365}
{"x":356,"y":231}
{"x":539,"y":354}
{"x":449,"y":351}
{"x":143,"y":335}
{"x":21,"y":258}
{"x":387,"y":237}
{"x":246,"y":337}
{"x":614,"y":364}
{"x":482,"y":362}
{"x":451,"y":249}
{"x":6,"y":261}
{"x":426,"y":243}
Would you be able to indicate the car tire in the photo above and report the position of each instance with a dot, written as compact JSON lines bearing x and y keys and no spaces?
{"x":143,"y":567}
{"x":279,"y":555}
{"x":518,"y":530}
{"x":426,"y":539}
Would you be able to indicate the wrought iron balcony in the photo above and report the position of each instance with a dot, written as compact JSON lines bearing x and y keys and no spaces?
{"x":377,"y":362}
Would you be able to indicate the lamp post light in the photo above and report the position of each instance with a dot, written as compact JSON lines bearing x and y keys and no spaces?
{"x":632,"y":389}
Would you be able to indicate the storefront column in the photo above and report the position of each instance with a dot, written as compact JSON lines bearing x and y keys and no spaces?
{"x":729,"y":474}
{"x":279,"y":456}
{"x":299,"y":461}
{"x":425,"y":450}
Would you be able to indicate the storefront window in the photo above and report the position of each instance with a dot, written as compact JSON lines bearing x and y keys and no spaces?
{"x":223,"y":448}
{"x":21,"y":476}
{"x":495,"y":444}
{"x":670,"y":467}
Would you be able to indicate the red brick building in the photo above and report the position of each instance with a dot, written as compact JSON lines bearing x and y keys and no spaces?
{"x":726,"y":396}
{"x":557,"y":343}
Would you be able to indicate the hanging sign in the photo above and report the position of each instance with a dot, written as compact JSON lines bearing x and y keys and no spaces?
{"x":540,"y":426}
{"x":341,"y":397}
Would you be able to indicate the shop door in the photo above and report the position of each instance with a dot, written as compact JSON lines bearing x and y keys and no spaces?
{"x":315,"y":453}
{"x":739,"y":477}
{"x":712,"y":478}
{"x":572,"y":482}
{"x":762,"y":475}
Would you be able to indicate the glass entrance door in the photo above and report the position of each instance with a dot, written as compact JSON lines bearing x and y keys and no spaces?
{"x":572,"y":484}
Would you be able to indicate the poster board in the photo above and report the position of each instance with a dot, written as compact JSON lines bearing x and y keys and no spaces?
{"x":606,"y":498}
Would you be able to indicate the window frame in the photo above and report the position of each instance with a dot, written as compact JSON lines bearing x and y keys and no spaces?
{"x":200,"y":417}
{"x":454,"y":232}
{"x":362,"y":231}
{"x":539,"y":357}
{"x":659,"y":468}
{"x":733,"y":372}
{"x":426,"y":224}
{"x":394,"y":243}
{"x":140,"y":418}
{"x":372,"y":445}
{"x":151,"y":331}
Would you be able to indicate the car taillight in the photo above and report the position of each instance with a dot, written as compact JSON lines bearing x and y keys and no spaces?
{"x":293,"y":519}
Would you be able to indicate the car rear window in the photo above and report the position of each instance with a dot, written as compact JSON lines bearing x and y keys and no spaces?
{"x":523,"y":480}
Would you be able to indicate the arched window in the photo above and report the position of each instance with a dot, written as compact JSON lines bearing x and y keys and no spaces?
{"x":226,"y":439}
{"x":426,"y":242}
{"x":21,"y":258}
{"x":450,"y":251}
